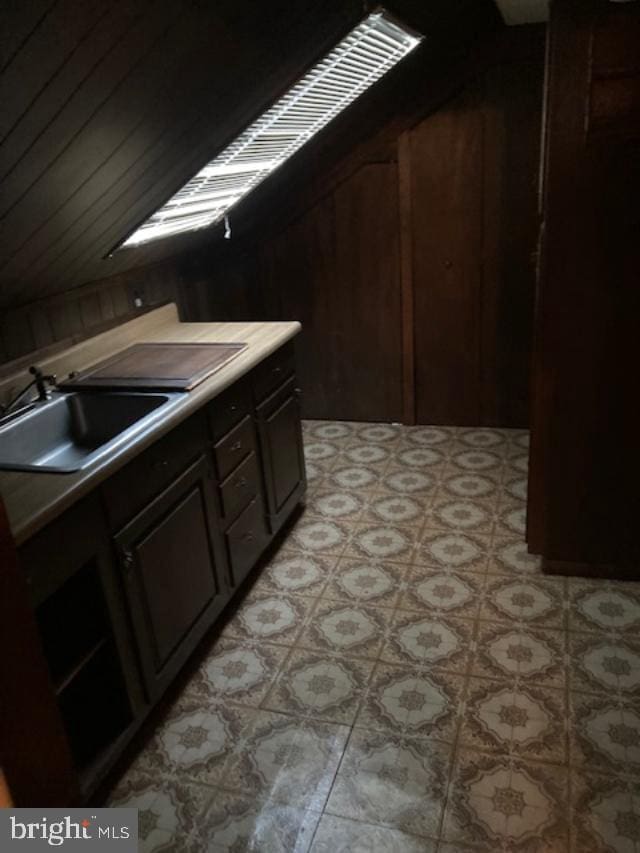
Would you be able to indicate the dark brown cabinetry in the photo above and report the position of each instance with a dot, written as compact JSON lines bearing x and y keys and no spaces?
{"x":173,"y":574}
{"x":84,"y":633}
{"x":282,"y":452}
{"x":153,"y":556}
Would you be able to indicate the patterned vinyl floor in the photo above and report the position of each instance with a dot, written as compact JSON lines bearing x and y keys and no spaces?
{"x":401,"y":677}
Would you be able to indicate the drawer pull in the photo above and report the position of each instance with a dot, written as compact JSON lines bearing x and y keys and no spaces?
{"x":249,"y":536}
{"x":236,"y":445}
{"x":241,"y":483}
{"x":161,"y":464}
{"x":277,"y":371}
{"x":233,"y":408}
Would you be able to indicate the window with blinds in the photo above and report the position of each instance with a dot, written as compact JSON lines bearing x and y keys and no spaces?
{"x":362,"y":57}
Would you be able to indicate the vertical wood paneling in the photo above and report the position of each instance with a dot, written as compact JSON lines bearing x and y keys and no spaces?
{"x":67,"y":318}
{"x":447,"y":224}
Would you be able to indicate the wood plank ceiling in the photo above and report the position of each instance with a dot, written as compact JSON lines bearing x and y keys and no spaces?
{"x":108,"y":106}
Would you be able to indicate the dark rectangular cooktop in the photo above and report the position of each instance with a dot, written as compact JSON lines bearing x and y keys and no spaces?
{"x":177,"y":367}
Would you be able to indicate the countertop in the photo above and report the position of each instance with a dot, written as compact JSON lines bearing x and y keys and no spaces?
{"x":32,"y":500}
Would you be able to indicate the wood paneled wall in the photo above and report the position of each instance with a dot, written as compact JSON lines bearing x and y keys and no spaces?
{"x":409,"y":261}
{"x":583,"y":486}
{"x":62,"y":320}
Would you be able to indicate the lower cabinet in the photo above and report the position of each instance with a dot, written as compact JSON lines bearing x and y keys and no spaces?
{"x":84,"y":631}
{"x":174,"y":576}
{"x":127,"y":582}
{"x":280,"y":432}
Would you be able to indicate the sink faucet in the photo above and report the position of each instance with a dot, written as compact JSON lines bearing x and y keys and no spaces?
{"x":41,"y":381}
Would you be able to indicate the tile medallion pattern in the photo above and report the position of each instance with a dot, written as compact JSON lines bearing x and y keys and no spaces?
{"x":401,"y":676}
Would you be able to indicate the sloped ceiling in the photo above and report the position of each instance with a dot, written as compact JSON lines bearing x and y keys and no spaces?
{"x":108,"y":106}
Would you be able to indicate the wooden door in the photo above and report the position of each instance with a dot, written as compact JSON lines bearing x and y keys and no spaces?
{"x":447,"y":214}
{"x":170,"y":555}
{"x":282,"y":452}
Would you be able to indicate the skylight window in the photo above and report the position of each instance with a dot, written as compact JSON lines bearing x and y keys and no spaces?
{"x":359,"y":60}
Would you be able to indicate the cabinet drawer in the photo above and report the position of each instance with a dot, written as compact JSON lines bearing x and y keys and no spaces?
{"x":229,"y":408}
{"x":239,"y":487}
{"x":246,"y":539}
{"x":273,"y":371}
{"x":131,"y":489}
{"x":234,"y":447}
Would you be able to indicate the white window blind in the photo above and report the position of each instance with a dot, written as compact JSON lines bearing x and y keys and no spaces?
{"x":361,"y":58}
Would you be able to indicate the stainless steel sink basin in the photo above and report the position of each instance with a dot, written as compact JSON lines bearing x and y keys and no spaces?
{"x":72,"y":431}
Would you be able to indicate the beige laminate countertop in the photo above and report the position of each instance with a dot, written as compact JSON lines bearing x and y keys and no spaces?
{"x":32,"y":500}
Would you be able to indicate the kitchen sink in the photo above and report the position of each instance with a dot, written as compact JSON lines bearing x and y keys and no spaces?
{"x":72,"y":431}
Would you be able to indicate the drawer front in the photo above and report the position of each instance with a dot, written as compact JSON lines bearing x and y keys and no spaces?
{"x":239,"y":487}
{"x":273,"y":371}
{"x":234,"y":447}
{"x":229,"y":408}
{"x":130,"y":489}
{"x":246,"y":539}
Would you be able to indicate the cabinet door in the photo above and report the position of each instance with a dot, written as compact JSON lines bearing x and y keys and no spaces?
{"x":281,"y":446}
{"x":172,"y":563}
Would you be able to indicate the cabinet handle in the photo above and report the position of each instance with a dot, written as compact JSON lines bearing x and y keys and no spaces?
{"x":237,"y":445}
{"x":233,"y":408}
{"x":248,"y":537}
{"x":241,"y":483}
{"x":161,"y":464}
{"x":277,"y":370}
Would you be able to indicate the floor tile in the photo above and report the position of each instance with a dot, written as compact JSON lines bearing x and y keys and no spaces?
{"x":394,"y":782}
{"x":336,"y":504}
{"x":404,"y":701}
{"x":238,"y":823}
{"x":353,"y":630}
{"x":512,"y":651}
{"x":316,"y":536}
{"x":476,"y":515}
{"x":532,"y":601}
{"x":601,"y":663}
{"x":600,"y":606}
{"x":322,"y":686}
{"x":510,"y":554}
{"x":295,"y":573}
{"x":237,"y":672}
{"x":367,"y":581}
{"x":441,"y":591}
{"x":168,"y":810}
{"x":517,"y":718}
{"x":396,"y":510}
{"x":407,"y":481}
{"x":382,"y":542}
{"x":352,"y":477}
{"x":426,"y":640}
{"x":605,"y":814}
{"x":453,"y":550}
{"x":515,"y":486}
{"x":605,"y":734}
{"x":386,"y":434}
{"x":340,"y":835}
{"x":276,"y":618}
{"x":469,"y":485}
{"x":287,"y":759}
{"x":196,"y":741}
{"x":507,"y":804}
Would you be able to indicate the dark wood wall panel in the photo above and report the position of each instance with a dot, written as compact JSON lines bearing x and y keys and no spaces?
{"x":447,"y":225}
{"x":64,"y":319}
{"x":583,"y":493}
